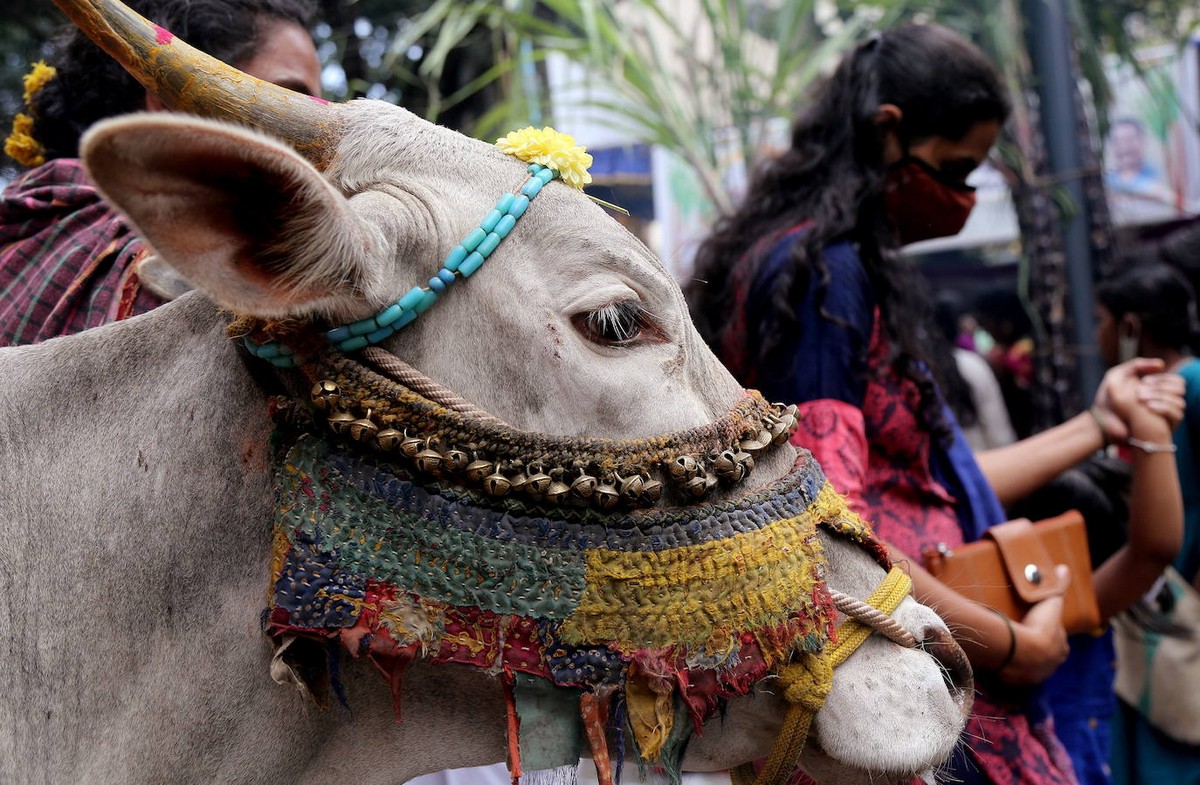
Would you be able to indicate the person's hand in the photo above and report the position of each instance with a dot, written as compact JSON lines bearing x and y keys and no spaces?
{"x":1041,"y":641}
{"x":1138,"y":388}
{"x":1164,"y":394}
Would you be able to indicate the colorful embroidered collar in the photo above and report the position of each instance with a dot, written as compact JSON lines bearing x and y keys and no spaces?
{"x":617,"y":624}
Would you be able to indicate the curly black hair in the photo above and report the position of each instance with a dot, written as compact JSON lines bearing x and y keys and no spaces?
{"x":91,"y":86}
{"x":832,"y":176}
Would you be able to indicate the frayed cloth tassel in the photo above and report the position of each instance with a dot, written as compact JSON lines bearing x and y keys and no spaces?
{"x":563,"y":775}
{"x":593,"y":709}
{"x":616,"y":727}
{"x":513,"y":727}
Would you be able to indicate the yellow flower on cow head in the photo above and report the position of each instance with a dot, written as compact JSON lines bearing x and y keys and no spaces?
{"x":551,"y":149}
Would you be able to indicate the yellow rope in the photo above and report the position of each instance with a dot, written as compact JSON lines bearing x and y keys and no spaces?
{"x":887,"y":597}
{"x":806,"y":684}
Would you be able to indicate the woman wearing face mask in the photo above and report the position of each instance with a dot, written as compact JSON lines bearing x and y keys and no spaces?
{"x":804,"y":295}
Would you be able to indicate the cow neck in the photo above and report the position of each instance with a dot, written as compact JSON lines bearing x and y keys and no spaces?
{"x":442,"y":437}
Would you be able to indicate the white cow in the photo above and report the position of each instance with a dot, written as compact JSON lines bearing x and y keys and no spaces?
{"x":135,"y":488}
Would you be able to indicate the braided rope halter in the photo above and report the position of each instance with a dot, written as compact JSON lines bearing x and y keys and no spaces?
{"x":805,"y":682}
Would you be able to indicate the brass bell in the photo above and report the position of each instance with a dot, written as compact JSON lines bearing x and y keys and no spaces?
{"x":557,"y":492}
{"x":338,"y":421}
{"x":606,"y":497}
{"x":362,"y":429}
{"x":652,"y":491}
{"x":455,"y":460}
{"x":745,"y":460}
{"x":631,"y":488}
{"x":783,"y":412}
{"x":388,"y":439}
{"x":477,"y":470}
{"x":537,"y":483}
{"x":410,"y":446}
{"x":326,"y":396}
{"x":696,"y":487}
{"x":584,"y":486}
{"x":726,"y":467}
{"x":779,"y":433}
{"x":753,"y":446}
{"x":684,"y":468}
{"x":428,"y":461}
{"x":496,"y":484}
{"x":518,"y":480}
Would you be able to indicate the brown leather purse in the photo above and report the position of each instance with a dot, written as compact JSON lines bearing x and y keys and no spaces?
{"x":1012,"y":567}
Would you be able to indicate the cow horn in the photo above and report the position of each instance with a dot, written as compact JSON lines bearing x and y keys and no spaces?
{"x":184,"y":78}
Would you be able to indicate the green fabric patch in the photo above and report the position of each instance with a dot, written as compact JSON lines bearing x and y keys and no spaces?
{"x":380,"y":542}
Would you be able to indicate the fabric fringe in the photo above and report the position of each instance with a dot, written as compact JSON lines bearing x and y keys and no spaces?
{"x":563,"y":775}
{"x":616,"y":729}
{"x":671,"y":758}
{"x":513,"y":727}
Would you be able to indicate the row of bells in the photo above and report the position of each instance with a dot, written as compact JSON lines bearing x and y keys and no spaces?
{"x":692,"y":476}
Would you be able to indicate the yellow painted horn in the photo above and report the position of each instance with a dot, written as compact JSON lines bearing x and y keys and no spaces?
{"x":184,"y":78}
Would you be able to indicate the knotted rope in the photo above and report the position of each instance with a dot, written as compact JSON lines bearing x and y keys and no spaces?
{"x":806,"y":683}
{"x":399,"y":371}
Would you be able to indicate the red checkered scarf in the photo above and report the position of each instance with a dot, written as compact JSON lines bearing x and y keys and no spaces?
{"x":66,"y":257}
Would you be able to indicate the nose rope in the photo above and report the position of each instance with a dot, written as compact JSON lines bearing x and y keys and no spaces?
{"x":399,"y":371}
{"x":874,"y":618}
{"x":806,"y":682}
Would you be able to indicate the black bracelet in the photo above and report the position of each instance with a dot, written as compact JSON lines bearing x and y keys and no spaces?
{"x":1012,"y":643}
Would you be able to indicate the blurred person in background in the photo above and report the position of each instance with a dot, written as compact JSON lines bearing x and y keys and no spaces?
{"x":803,"y":293}
{"x":68,"y":260}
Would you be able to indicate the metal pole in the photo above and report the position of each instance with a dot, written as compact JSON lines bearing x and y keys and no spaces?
{"x":1048,"y":37}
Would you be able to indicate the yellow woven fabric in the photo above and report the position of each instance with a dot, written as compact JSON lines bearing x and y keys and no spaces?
{"x":700,"y":595}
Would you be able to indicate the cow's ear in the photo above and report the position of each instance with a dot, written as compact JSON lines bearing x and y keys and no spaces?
{"x":241,"y":217}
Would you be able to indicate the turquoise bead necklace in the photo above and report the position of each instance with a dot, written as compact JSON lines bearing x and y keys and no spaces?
{"x":462,"y":262}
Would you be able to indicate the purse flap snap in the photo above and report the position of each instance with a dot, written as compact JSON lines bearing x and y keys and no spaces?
{"x":1028,"y":563}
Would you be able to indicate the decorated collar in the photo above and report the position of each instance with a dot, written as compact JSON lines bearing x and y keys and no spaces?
{"x":550,"y":155}
{"x":477,"y":451}
{"x":605,"y":627}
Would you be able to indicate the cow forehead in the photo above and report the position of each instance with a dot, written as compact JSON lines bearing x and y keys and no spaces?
{"x":458,"y":179}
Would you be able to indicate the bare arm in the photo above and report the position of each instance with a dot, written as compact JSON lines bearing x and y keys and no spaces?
{"x":1019,"y":469}
{"x":1155,"y":522}
{"x":1040,"y":641}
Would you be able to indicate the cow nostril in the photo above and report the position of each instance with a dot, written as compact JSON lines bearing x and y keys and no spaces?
{"x":956,"y":669}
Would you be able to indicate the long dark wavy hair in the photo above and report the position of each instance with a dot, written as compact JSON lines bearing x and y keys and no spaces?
{"x":832,"y":176}
{"x":91,"y":86}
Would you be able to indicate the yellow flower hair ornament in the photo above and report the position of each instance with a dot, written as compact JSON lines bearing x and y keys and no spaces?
{"x":21,"y":145}
{"x":551,"y":149}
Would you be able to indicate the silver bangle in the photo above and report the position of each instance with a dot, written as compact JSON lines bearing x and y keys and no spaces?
{"x":1151,"y":448}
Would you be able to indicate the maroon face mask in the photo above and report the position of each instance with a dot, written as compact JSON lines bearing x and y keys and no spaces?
{"x":922,"y":203}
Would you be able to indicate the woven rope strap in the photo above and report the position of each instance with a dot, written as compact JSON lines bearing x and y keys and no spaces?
{"x":806,"y":683}
{"x":397,"y":370}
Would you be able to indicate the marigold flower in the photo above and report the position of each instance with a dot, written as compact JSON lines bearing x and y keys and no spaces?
{"x":551,"y":149}
{"x":36,"y":79}
{"x":20,"y":144}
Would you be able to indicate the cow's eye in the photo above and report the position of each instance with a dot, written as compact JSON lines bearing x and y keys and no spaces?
{"x":617,"y":324}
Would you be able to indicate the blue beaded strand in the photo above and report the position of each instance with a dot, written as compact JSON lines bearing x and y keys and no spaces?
{"x":462,"y":262}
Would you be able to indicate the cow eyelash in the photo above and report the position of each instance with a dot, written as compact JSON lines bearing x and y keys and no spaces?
{"x":620,"y":324}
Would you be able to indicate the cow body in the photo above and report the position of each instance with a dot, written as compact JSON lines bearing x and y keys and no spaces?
{"x":137,"y":499}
